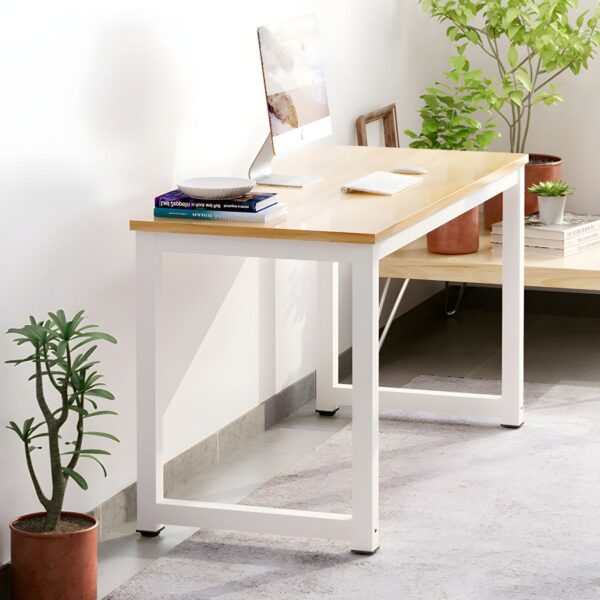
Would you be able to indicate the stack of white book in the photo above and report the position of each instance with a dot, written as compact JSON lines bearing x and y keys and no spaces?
{"x":577,"y":233}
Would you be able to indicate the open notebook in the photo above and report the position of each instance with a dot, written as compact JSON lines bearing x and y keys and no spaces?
{"x":382,"y":182}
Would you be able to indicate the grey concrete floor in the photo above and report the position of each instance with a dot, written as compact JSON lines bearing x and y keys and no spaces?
{"x":558,"y":349}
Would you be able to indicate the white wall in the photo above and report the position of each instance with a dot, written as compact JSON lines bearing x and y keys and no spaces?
{"x":106,"y":104}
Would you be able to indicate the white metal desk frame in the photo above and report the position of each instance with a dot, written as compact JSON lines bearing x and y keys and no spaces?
{"x":361,"y":527}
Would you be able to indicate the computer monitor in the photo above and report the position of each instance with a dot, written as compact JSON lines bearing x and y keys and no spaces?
{"x":295,"y":91}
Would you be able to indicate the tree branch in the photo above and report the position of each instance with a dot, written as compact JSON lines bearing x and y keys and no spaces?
{"x":47,"y":364}
{"x":526,"y":59}
{"x":39,"y":390}
{"x":545,"y":83}
{"x":79,"y":440}
{"x":529,"y":105}
{"x":32,"y":474}
{"x":64,"y":392}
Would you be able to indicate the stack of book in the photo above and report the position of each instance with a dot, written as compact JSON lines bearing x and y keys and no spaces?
{"x":257,"y":208}
{"x":577,"y":233}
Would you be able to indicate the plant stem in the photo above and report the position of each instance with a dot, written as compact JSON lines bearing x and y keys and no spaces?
{"x":530,"y":105}
{"x":39,"y":389}
{"x":59,"y":481}
{"x":32,"y":474}
{"x":64,"y":391}
{"x":79,"y":441}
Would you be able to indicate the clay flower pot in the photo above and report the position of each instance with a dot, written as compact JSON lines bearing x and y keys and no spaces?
{"x":459,"y":236}
{"x":54,"y":566}
{"x":541,"y":167}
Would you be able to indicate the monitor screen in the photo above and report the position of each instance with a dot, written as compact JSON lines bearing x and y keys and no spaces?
{"x":294,"y":82}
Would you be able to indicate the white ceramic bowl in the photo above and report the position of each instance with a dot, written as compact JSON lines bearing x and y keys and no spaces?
{"x":216,"y":188}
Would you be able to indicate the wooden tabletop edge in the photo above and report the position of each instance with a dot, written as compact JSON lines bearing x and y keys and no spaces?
{"x":180,"y":226}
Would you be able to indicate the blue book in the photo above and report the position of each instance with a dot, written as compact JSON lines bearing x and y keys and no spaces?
{"x":247,"y":203}
{"x":263,"y":216}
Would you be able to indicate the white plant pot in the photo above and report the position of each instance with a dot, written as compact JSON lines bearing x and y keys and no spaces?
{"x":552,"y":209}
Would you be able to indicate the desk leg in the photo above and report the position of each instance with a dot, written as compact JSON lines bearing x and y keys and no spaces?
{"x":327,"y":310}
{"x":513,"y":305}
{"x":149,"y":429}
{"x":365,"y":403}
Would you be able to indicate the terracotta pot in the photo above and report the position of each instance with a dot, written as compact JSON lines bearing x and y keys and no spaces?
{"x":534,"y":173}
{"x":54,"y":566}
{"x":459,"y":236}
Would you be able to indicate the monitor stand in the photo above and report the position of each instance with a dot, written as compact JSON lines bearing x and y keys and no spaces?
{"x":260,"y":170}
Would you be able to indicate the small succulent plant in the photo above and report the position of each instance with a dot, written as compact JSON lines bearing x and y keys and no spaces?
{"x":551,"y":188}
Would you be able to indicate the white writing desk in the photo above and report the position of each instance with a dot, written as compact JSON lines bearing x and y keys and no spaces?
{"x":325,"y":225}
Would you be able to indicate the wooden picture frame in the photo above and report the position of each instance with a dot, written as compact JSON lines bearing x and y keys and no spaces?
{"x":390,"y":126}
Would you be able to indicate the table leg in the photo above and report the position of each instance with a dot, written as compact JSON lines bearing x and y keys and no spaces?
{"x":149,"y":426}
{"x":327,"y":310}
{"x":365,"y":403}
{"x":513,"y":305}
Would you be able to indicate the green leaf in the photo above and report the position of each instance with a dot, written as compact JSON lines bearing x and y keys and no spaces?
{"x":516,"y":97}
{"x":473,"y":36}
{"x":38,"y":425}
{"x":581,"y":18}
{"x":39,"y":435}
{"x":485,"y":138}
{"x":110,"y":436}
{"x":98,"y":335}
{"x":75,"y":321}
{"x":79,"y":480}
{"x":459,"y":63}
{"x":524,"y":79}
{"x":18,"y":361}
{"x":513,"y":56}
{"x":452,"y":32}
{"x":512,"y":13}
{"x":81,"y":358}
{"x":96,"y":460}
{"x":100,"y":412}
{"x":88,"y":451}
{"x":430,"y":126}
{"x":100,"y":393}
{"x":12,"y":425}
{"x":91,"y":402}
{"x":60,"y":321}
{"x":27,"y":426}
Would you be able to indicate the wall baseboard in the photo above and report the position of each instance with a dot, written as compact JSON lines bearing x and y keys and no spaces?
{"x":115,"y":513}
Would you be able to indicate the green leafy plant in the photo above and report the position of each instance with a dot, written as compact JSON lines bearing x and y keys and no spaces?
{"x":61,"y":354}
{"x":551,"y":189}
{"x":448,"y":114}
{"x":531,"y":43}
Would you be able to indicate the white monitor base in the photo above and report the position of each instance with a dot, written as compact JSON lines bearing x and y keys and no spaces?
{"x":296,"y":181}
{"x":260,"y":170}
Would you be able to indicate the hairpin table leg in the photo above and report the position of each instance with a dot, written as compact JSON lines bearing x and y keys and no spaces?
{"x":451,"y":311}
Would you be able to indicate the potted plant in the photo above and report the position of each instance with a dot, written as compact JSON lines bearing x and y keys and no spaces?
{"x":449,"y":123}
{"x":552,"y":197}
{"x":53,"y":553}
{"x":530,"y":43}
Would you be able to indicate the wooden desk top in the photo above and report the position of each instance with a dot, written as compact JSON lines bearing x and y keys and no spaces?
{"x":321,"y":212}
{"x":578,"y":272}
